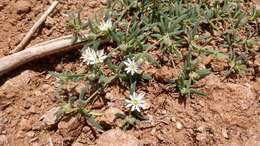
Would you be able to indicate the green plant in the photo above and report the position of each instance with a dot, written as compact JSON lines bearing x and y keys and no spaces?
{"x":236,"y":65}
{"x":190,"y":74}
{"x":132,"y":30}
{"x":72,"y":104}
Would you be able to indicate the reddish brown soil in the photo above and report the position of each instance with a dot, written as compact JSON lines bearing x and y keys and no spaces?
{"x":229,"y":115}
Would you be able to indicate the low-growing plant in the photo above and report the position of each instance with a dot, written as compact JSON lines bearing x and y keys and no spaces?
{"x":73,"y":104}
{"x":117,"y":46}
{"x":135,"y":103}
{"x":236,"y":65}
{"x":190,"y":74}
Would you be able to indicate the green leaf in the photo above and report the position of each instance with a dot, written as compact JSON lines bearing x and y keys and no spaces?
{"x":202,"y":73}
{"x":194,"y":91}
{"x":146,"y":77}
{"x":128,"y":122}
{"x":90,"y":119}
{"x":151,"y":60}
{"x":120,"y":115}
{"x":114,"y":36}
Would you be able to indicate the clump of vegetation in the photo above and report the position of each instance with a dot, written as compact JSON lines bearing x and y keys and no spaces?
{"x":116,"y":47}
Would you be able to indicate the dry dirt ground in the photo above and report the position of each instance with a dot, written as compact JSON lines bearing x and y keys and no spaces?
{"x":229,"y":115}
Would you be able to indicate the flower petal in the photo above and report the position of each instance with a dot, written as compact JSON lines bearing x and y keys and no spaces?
{"x":142,"y":106}
{"x":133,"y":108}
{"x":137,"y":108}
{"x":126,"y":63}
{"x":132,"y":72}
{"x":128,"y":101}
{"x":128,"y":105}
{"x":129,"y":61}
{"x":141,"y":95}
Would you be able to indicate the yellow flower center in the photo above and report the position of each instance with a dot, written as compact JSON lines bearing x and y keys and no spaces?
{"x":132,"y":66}
{"x":135,"y":102}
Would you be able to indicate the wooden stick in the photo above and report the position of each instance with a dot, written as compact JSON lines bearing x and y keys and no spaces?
{"x":15,"y":60}
{"x":30,"y":33}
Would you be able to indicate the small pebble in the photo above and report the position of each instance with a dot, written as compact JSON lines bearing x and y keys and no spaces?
{"x":50,"y":22}
{"x":173,"y":119}
{"x":164,"y":112}
{"x":22,"y":6}
{"x":59,"y":68}
{"x":30,"y":134}
{"x":225,"y":133}
{"x":179,"y":125}
{"x":25,"y":125}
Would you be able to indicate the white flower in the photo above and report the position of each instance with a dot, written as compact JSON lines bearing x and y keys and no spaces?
{"x":136,"y":102}
{"x":92,"y":57}
{"x":132,"y":66}
{"x":105,"y":26}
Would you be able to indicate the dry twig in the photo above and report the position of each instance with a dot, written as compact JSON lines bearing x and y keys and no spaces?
{"x":30,"y":33}
{"x":15,"y":60}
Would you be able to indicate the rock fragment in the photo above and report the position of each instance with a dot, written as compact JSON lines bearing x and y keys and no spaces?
{"x":50,"y":118}
{"x":116,"y":137}
{"x":22,"y":6}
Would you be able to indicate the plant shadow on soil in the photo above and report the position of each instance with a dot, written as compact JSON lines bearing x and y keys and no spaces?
{"x":43,"y":65}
